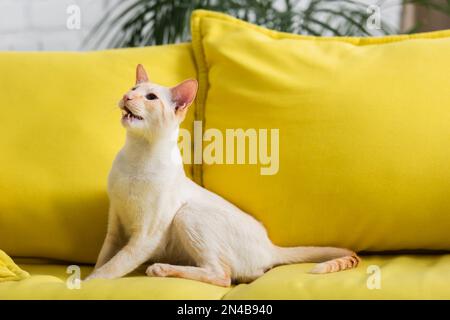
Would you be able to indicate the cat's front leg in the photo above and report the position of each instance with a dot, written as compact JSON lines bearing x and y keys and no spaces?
{"x":114,"y":240}
{"x":137,"y":251}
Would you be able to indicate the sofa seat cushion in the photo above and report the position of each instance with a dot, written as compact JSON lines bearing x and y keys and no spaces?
{"x":48,"y":281}
{"x":400,"y":277}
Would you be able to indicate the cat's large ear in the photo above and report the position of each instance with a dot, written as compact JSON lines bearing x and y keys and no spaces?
{"x":183,"y":94}
{"x":141,"y":75}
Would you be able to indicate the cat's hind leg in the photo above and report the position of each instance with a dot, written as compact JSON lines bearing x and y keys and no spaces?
{"x":204,"y":274}
{"x":193,"y":236}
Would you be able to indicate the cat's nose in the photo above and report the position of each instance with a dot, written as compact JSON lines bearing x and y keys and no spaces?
{"x":126,"y":98}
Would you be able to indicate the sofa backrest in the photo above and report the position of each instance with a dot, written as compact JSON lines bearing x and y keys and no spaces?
{"x":363,"y":138}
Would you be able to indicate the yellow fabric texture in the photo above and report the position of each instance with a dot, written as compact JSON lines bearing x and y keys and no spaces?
{"x":59,"y":132}
{"x":50,"y":281}
{"x":377,"y":277}
{"x":396,"y":277}
{"x":364,"y":126}
{"x":9,"y":270}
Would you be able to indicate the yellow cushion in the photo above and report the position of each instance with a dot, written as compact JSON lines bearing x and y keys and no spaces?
{"x":50,"y":281}
{"x":364,"y":129}
{"x":9,"y":271}
{"x":59,"y":132}
{"x":377,"y":277}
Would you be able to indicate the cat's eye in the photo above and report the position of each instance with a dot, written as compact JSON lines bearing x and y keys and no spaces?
{"x":151,"y":96}
{"x":134,"y":88}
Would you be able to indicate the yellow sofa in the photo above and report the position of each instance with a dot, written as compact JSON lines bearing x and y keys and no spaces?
{"x":370,"y":176}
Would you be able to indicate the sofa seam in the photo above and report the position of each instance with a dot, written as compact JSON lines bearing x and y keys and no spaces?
{"x":202,"y":70}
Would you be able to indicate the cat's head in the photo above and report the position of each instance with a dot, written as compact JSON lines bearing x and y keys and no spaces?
{"x":149,"y":108}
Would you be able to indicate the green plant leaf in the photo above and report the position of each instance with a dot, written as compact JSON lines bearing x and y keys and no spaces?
{"x":133,"y":23}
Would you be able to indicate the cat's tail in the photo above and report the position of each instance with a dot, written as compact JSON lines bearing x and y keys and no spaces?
{"x":329,"y":259}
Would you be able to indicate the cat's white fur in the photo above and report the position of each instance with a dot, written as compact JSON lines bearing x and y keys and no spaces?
{"x":157,"y":214}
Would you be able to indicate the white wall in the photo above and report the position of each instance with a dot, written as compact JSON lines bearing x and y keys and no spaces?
{"x":41,"y":24}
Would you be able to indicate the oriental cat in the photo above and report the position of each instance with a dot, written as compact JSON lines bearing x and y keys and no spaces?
{"x":157,"y":214}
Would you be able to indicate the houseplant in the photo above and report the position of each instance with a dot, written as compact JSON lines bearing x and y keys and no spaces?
{"x":134,"y":23}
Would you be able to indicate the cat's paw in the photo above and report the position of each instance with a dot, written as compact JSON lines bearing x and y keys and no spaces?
{"x":96,"y":275}
{"x":158,"y":270}
{"x":90,"y":277}
{"x":335,"y":265}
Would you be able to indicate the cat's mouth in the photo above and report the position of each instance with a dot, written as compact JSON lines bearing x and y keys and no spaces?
{"x":128,"y":115}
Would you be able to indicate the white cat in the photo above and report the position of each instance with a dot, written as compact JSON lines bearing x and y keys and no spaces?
{"x":156,"y":213}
